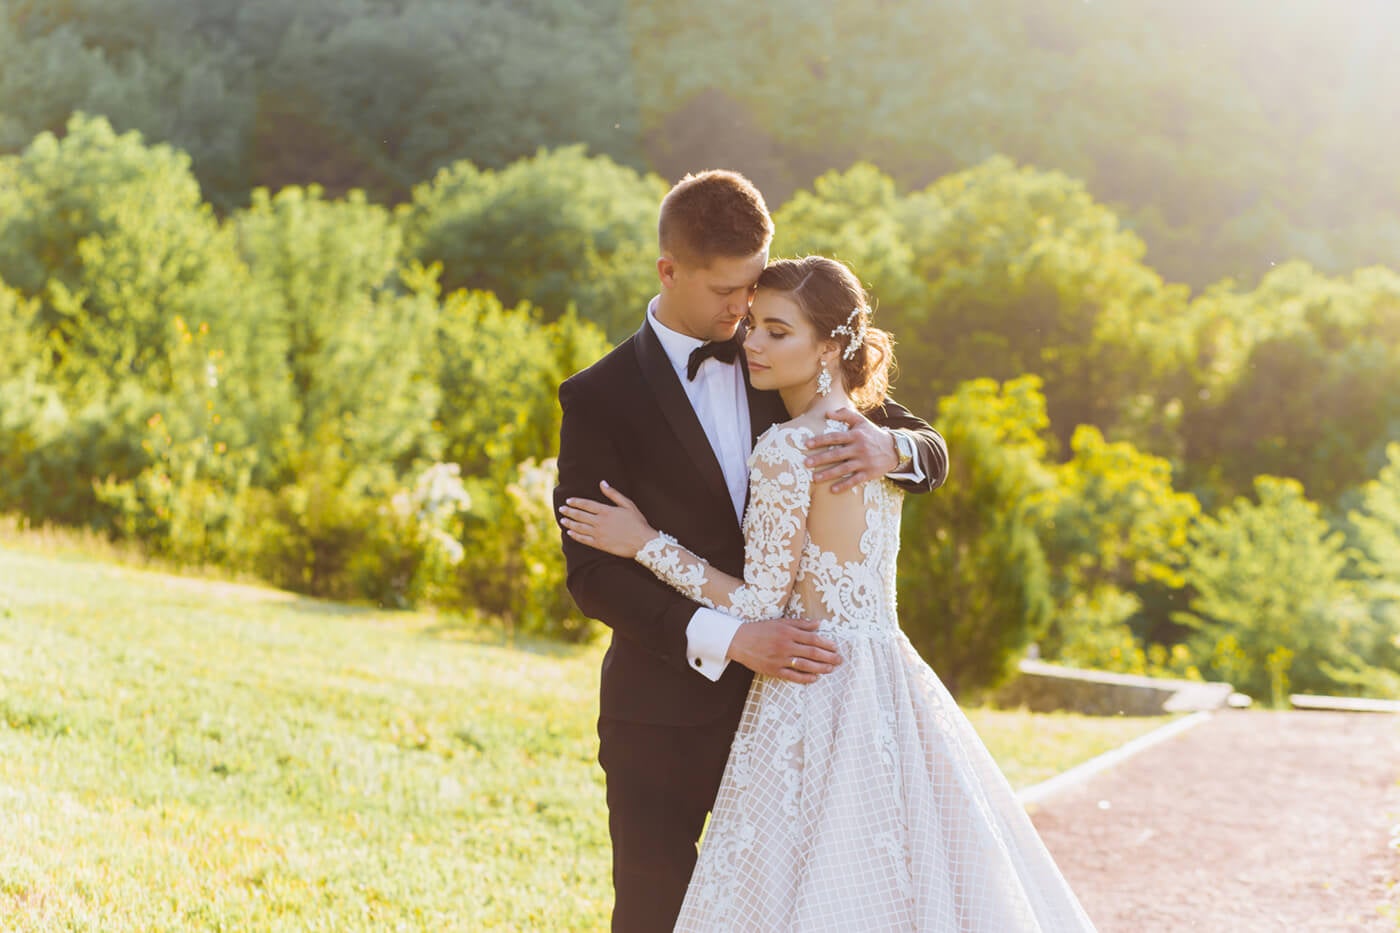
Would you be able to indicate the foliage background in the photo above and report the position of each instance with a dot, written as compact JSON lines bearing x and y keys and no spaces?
{"x":288,"y":289}
{"x":1230,"y":136}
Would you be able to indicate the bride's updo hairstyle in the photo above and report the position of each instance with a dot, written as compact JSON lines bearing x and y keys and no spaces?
{"x":828,"y":292}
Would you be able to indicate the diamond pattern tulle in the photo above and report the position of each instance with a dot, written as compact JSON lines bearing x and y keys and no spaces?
{"x":865,"y":801}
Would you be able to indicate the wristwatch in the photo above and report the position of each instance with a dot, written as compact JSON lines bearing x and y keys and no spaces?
{"x":903,"y":449}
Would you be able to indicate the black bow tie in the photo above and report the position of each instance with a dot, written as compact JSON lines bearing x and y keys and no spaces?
{"x":726,"y":351}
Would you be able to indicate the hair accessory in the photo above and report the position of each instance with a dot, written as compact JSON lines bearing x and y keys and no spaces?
{"x":857,"y":334}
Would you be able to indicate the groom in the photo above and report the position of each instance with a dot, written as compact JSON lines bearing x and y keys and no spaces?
{"x":669,"y":419}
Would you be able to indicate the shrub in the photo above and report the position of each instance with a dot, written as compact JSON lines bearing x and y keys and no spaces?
{"x":513,"y":565}
{"x":560,"y":229}
{"x":974,"y":588}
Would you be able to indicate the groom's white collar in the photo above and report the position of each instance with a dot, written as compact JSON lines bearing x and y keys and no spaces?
{"x":677,"y":345}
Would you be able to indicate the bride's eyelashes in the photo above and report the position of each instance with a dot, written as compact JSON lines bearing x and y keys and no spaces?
{"x":778,"y":334}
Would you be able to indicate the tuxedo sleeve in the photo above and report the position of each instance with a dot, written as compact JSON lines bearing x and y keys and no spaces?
{"x":616,"y":591}
{"x":932,"y":449}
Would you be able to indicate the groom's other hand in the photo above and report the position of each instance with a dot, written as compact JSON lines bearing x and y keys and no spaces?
{"x":865,"y":452}
{"x":789,"y":649}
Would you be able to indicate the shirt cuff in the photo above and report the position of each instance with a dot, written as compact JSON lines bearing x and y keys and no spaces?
{"x":707,"y":639}
{"x":914,"y":472}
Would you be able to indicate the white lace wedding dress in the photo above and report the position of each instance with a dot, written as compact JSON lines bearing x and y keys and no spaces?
{"x":864,"y":801}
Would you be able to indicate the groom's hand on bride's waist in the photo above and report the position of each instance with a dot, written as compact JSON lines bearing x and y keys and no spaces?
{"x":789,"y":649}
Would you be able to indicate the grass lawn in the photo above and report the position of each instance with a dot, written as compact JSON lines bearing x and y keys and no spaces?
{"x":182,"y":754}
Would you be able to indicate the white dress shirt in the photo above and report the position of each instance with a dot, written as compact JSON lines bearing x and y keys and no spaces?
{"x":719,"y":396}
{"x":720,"y":399}
{"x":721,"y":402}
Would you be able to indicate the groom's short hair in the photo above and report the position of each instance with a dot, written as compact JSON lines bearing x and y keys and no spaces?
{"x":714,"y":214}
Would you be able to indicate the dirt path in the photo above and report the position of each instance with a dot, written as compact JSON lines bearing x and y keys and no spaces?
{"x":1252,"y":821}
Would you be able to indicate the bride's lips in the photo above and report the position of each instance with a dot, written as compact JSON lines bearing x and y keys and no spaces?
{"x":756,"y":367}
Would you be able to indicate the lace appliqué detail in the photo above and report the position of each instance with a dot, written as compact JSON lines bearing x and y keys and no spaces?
{"x":857,"y":596}
{"x":664,"y":557}
{"x":863,"y":801}
{"x":775,"y":530}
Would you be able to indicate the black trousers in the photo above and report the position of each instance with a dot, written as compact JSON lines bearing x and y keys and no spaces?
{"x":662,"y":781}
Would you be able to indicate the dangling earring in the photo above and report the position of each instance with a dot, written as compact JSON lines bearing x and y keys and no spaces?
{"x":824,"y":381}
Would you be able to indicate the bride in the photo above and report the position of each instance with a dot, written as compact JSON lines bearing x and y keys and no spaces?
{"x":863,"y":801}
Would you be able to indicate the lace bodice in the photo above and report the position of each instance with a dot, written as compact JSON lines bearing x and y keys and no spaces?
{"x":863,"y":801}
{"x":808,"y":553}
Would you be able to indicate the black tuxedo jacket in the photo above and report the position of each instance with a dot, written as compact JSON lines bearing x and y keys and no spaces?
{"x":627,"y":420}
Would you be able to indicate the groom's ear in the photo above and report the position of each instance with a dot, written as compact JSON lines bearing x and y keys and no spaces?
{"x":666,"y":270}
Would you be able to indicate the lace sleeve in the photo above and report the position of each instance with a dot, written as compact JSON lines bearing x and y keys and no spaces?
{"x":775,"y":531}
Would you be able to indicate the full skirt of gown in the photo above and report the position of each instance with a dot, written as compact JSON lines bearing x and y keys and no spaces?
{"x":866,"y":802}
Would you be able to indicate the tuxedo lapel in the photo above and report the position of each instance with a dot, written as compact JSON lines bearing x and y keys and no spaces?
{"x":671,"y":397}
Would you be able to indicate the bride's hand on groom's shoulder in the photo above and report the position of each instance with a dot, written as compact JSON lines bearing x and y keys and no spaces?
{"x":789,"y":649}
{"x":619,"y":529}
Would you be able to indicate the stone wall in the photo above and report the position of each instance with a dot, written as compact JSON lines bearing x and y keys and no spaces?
{"x":1045,"y":688}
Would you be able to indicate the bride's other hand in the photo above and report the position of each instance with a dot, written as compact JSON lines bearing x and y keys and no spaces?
{"x":619,"y":529}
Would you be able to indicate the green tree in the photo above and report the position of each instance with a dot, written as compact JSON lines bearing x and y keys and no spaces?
{"x":498,"y":371}
{"x":351,"y":324}
{"x":513,"y":567}
{"x":113,"y":239}
{"x":1027,"y":274}
{"x":406,"y":80}
{"x":144,"y":65}
{"x":1110,"y":525}
{"x":138,"y":294}
{"x":22,"y":350}
{"x":1227,"y":138}
{"x":32,"y":415}
{"x":974,"y":586}
{"x":292,"y":444}
{"x":1375,"y":531}
{"x":1207,"y":143}
{"x":1272,"y":610}
{"x":859,"y":217}
{"x":347,"y":93}
{"x":562,"y":228}
{"x":1000,"y":271}
{"x":1376,"y":523}
{"x":1299,"y":377}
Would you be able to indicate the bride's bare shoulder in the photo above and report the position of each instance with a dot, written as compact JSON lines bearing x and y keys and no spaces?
{"x":808,"y":423}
